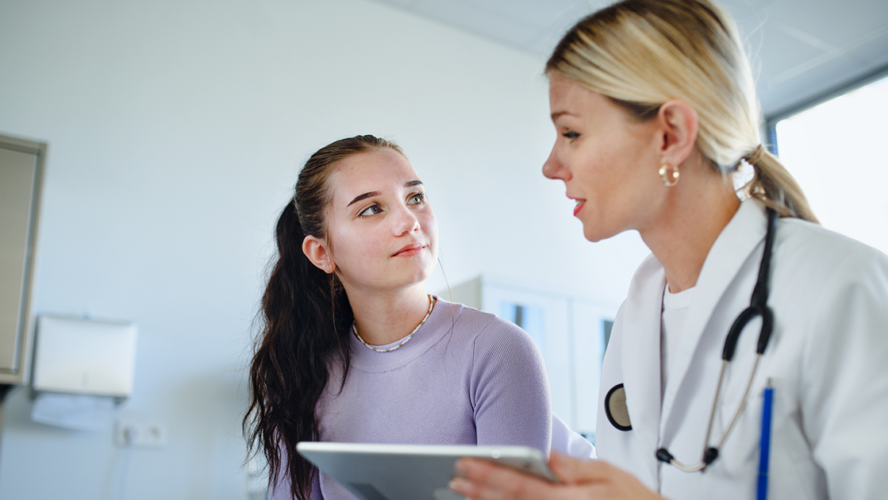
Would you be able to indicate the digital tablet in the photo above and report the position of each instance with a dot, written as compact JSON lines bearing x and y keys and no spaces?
{"x":411,"y":472}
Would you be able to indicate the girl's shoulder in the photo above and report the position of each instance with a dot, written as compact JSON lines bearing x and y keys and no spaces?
{"x":471,"y":323}
{"x":498,"y":342}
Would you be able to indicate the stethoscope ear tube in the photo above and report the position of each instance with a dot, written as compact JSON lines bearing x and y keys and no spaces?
{"x":711,"y":454}
{"x":758,"y":305}
{"x":767,"y":326}
{"x":740,"y":323}
{"x":736,"y":329}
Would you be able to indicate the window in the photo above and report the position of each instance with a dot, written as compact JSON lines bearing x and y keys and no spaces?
{"x":836,"y":151}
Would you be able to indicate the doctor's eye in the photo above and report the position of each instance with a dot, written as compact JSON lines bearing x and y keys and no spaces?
{"x":416,"y":199}
{"x":570,"y":134}
{"x":371,"y":210}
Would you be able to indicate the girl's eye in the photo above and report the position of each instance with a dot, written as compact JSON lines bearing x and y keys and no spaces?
{"x":570,"y":134}
{"x":371,"y":210}
{"x":417,"y":199}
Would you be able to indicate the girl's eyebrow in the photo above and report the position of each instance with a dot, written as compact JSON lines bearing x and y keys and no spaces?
{"x":377,"y":193}
{"x":363,"y":197}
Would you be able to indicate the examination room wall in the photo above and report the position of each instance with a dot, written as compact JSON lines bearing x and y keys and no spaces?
{"x":175,"y":132}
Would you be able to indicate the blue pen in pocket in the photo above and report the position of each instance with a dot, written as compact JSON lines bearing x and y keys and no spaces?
{"x":765,"y":446}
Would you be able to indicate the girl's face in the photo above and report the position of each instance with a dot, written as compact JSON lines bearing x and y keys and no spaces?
{"x":382,"y":232}
{"x":608,"y":160}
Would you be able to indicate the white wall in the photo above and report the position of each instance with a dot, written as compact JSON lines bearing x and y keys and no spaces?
{"x":175,"y":131}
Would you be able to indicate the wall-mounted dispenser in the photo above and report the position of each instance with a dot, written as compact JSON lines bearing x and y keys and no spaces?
{"x":81,"y":369}
{"x":83,"y":356}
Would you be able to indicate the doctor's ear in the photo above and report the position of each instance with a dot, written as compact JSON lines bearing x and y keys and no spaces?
{"x":318,"y":253}
{"x":678,"y":125}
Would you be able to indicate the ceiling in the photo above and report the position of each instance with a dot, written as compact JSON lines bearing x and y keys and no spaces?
{"x":801,"y":50}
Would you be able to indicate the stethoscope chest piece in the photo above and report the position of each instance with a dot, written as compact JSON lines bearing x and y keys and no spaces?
{"x":615,"y":408}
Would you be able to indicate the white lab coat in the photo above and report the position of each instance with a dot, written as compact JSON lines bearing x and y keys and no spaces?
{"x":569,"y":442}
{"x":827,"y":361}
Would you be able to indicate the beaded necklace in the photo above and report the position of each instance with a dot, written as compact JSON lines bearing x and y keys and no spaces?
{"x":406,"y":339}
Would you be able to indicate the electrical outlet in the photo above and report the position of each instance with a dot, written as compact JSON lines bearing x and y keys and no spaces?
{"x":131,"y":434}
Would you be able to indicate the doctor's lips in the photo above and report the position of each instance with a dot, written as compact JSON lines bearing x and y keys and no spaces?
{"x":409,"y":250}
{"x":579,"y":205}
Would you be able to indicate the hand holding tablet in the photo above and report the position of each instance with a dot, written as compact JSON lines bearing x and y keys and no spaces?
{"x":412,"y":472}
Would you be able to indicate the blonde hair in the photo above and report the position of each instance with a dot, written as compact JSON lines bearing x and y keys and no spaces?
{"x":642,"y":53}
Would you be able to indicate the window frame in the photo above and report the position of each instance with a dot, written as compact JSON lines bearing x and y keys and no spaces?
{"x":771,"y":121}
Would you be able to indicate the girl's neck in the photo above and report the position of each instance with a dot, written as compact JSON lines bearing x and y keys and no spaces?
{"x":688,"y":224}
{"x":385,"y":317}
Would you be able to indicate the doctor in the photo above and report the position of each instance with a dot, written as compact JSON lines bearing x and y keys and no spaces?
{"x":654,"y":106}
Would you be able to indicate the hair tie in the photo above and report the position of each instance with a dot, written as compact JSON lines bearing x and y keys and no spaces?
{"x":755,"y":156}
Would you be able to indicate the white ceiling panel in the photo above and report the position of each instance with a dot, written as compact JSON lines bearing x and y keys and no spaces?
{"x":834,"y":22}
{"x":780,"y":51}
{"x":474,"y":17}
{"x":800,"y":49}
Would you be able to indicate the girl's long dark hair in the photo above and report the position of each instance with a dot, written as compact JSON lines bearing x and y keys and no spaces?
{"x":306,"y":318}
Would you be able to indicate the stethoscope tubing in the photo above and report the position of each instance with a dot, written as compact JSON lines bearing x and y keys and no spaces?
{"x":758,"y":307}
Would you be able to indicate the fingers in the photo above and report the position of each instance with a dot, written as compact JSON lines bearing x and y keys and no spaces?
{"x":599,"y":480}
{"x":481,"y":480}
{"x":573,"y":471}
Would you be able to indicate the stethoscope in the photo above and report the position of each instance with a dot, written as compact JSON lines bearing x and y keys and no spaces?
{"x":615,"y":401}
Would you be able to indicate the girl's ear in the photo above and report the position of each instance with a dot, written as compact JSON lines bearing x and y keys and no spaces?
{"x":318,"y":253}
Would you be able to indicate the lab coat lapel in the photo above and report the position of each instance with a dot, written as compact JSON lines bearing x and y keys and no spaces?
{"x":731,"y":249}
{"x":641,"y":356}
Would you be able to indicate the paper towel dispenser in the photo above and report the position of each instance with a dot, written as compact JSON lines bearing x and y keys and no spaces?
{"x":81,"y":356}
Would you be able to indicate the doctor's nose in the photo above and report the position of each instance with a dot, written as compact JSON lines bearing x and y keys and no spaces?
{"x":554,"y":169}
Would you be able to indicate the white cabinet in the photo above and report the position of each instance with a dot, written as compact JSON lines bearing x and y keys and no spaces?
{"x":21,"y":164}
{"x":570,"y":332}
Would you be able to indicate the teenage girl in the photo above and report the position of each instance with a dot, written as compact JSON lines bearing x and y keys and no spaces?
{"x":354,"y":349}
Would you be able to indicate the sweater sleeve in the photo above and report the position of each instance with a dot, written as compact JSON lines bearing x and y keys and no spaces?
{"x":281,"y":489}
{"x":844,"y":396}
{"x":509,"y":390}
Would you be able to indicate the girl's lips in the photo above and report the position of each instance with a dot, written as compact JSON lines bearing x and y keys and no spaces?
{"x":579,"y":206}
{"x":409,"y":250}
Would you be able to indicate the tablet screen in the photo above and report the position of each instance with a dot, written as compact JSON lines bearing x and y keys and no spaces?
{"x":410,"y":472}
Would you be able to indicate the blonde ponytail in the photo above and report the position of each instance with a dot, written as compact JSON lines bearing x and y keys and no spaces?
{"x":775,"y":187}
{"x":642,"y":53}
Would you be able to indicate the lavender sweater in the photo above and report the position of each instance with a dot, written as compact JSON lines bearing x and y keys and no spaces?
{"x":466,"y":377}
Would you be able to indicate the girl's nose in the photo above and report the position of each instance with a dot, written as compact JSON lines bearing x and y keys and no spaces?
{"x":406,"y":222}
